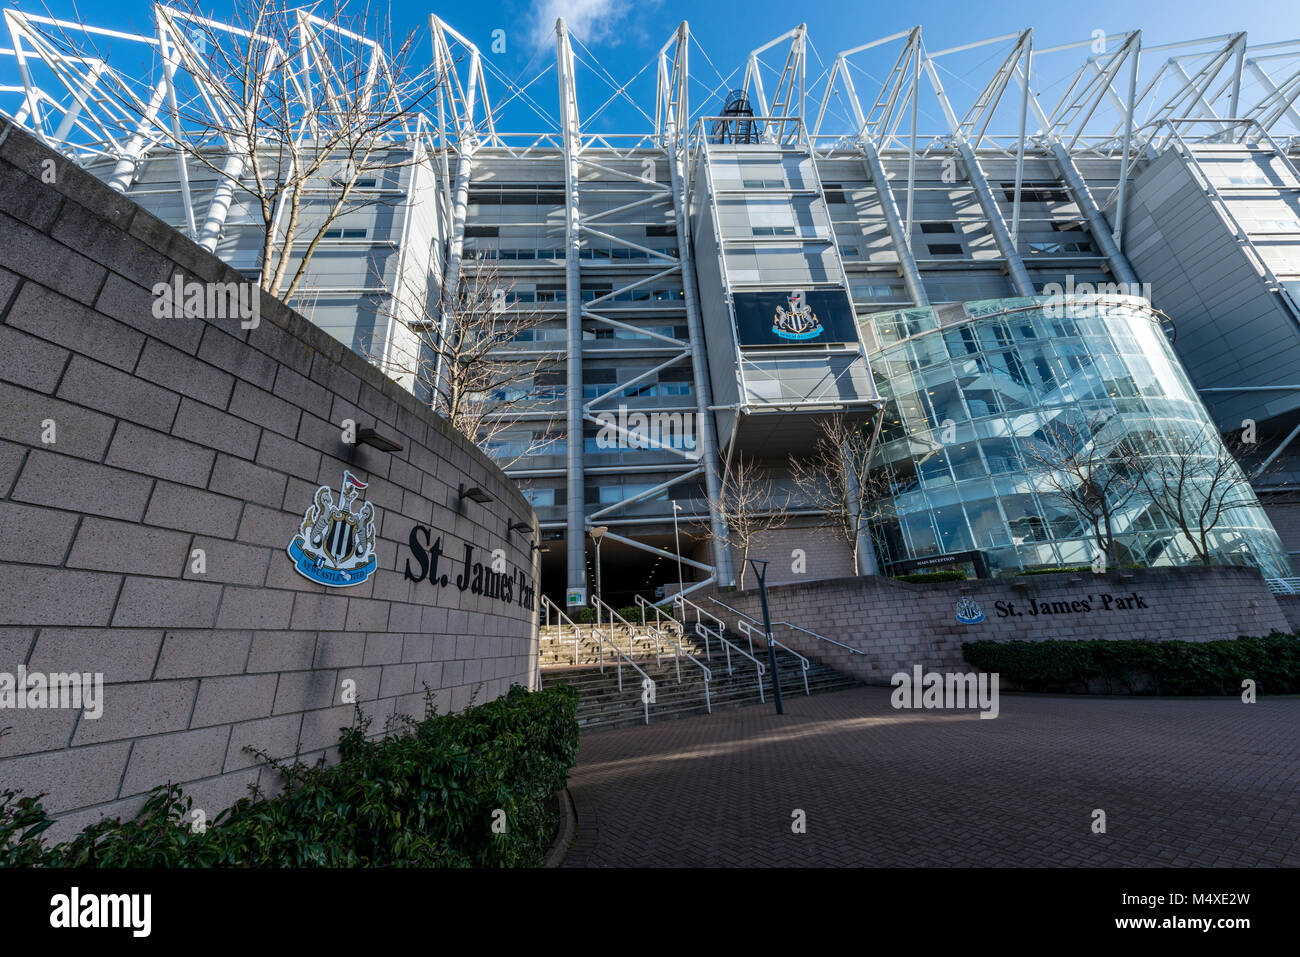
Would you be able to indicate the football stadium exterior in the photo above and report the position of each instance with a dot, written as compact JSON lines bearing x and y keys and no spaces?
{"x":707,"y":291}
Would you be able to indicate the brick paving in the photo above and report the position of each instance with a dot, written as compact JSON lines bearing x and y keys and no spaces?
{"x":1183,"y":782}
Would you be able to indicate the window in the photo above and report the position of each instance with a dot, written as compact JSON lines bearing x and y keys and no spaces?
{"x":773,"y":230}
{"x":516,"y":195}
{"x":851,"y":251}
{"x":1041,"y":248}
{"x":945,"y":249}
{"x":482,"y":232}
{"x":661,"y":230}
{"x":764,"y":184}
{"x":938,"y":228}
{"x":1035,"y":193}
{"x":1248,"y":179}
{"x":834,"y":193}
{"x":539,"y":497}
{"x":345,"y":234}
{"x":1279,"y":226}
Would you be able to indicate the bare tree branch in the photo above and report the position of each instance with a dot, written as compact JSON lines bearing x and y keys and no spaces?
{"x":474,"y":360}
{"x":749,"y":507}
{"x":839,"y":478}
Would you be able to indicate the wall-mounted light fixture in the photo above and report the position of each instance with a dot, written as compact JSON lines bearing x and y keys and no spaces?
{"x":474,"y":494}
{"x":520,"y":527}
{"x":375,"y":440}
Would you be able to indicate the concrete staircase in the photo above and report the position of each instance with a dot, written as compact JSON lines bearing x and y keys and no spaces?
{"x":602,"y":705}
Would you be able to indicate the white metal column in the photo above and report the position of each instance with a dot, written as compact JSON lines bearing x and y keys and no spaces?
{"x":576,"y":532}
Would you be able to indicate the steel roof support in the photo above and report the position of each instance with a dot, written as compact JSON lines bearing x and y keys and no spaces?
{"x":1020,"y":280}
{"x":576,"y":528}
{"x":1097,"y":225}
{"x":900,"y":234}
{"x":676,"y":132}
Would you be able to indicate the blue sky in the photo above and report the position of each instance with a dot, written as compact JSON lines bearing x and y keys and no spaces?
{"x":625,"y":35}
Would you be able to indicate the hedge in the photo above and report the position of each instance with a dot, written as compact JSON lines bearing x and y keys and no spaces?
{"x":920,"y":578}
{"x":426,"y":795}
{"x":1144,"y":667}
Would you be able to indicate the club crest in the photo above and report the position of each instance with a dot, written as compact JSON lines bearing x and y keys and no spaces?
{"x":799,"y":322}
{"x":968,"y":612}
{"x":335,"y":544}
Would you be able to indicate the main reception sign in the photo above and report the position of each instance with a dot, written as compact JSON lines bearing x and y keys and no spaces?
{"x":335,"y":545}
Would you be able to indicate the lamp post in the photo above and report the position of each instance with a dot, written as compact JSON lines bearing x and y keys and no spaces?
{"x":760,"y":572}
{"x":597,"y":534}
{"x":677,"y":539}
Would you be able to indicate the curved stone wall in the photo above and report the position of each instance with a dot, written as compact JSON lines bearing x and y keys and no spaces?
{"x":157,"y":465}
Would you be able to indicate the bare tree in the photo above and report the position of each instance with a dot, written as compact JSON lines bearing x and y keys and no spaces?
{"x":1193,"y":482}
{"x":289,"y":113}
{"x":749,"y":507}
{"x":839,"y":478}
{"x":473,"y":361}
{"x":1087,"y":468}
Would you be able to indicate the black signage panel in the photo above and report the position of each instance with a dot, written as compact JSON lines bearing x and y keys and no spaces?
{"x":794,"y":317}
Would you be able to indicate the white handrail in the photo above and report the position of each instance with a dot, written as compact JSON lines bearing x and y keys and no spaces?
{"x":748,"y":629}
{"x":660,"y":616}
{"x":597,"y":603}
{"x":727,"y":646}
{"x":681,"y":602}
{"x":647,"y":683}
{"x":790,"y":624}
{"x":547,"y":607}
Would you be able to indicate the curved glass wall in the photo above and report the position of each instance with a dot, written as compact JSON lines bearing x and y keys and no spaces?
{"x":973,"y":389}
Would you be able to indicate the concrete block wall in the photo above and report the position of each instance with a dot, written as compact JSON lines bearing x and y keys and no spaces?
{"x":893,"y":626}
{"x":171,"y":435}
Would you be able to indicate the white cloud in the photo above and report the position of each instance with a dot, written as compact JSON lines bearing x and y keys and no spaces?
{"x":592,"y":21}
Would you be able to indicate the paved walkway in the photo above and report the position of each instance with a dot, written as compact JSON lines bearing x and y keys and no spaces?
{"x":1182,"y":782}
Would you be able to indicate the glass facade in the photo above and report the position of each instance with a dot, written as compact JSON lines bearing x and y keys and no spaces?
{"x":972,"y":390}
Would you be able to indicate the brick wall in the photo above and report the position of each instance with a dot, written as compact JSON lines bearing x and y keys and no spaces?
{"x":172,"y":435}
{"x":895,"y":625}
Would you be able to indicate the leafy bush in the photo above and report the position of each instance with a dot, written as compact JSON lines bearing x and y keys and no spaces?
{"x":1159,"y":667}
{"x":1055,"y":570}
{"x":921,"y":578}
{"x":424,"y":796}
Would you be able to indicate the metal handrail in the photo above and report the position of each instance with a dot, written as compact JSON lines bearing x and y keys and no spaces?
{"x":790,"y":624}
{"x":599,"y":603}
{"x":708,"y":672}
{"x":680,"y":602}
{"x":647,"y":683}
{"x":660,"y":616}
{"x":760,"y":669}
{"x":549,"y":606}
{"x":748,"y":630}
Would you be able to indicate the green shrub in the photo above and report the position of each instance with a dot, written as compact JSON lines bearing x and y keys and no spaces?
{"x":423,"y":796}
{"x":921,"y":578}
{"x":1159,"y":667}
{"x":1055,"y":570}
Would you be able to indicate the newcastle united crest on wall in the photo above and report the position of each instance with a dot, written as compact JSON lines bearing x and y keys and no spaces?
{"x":799,"y":321}
{"x":968,"y":612}
{"x":335,"y":544}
